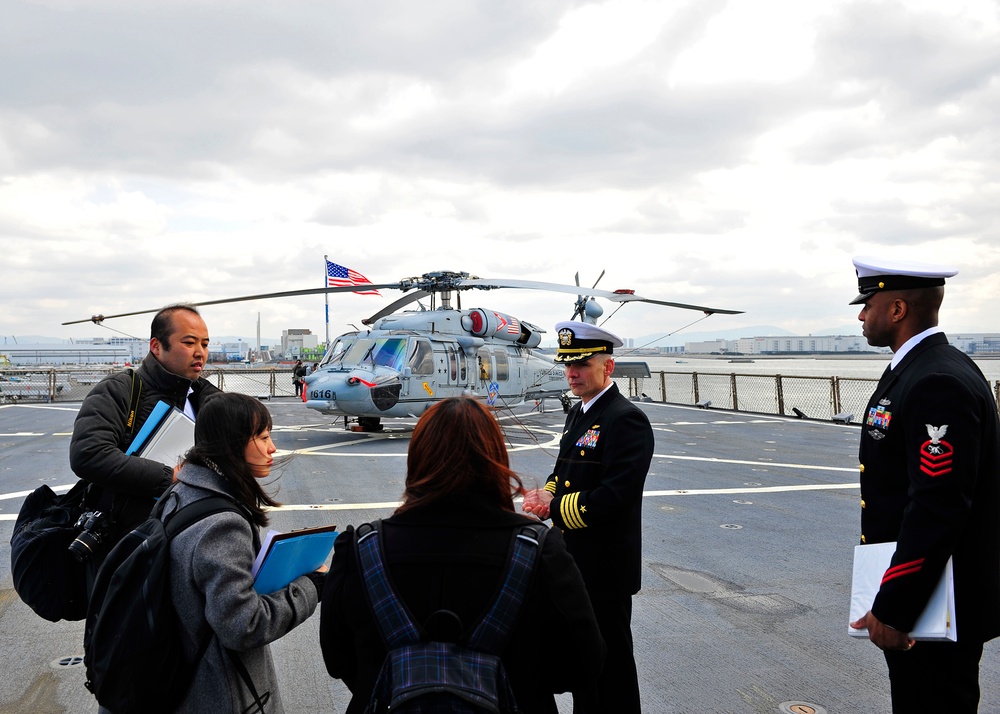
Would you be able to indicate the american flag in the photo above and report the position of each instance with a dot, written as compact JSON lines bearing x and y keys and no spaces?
{"x":337,"y":276}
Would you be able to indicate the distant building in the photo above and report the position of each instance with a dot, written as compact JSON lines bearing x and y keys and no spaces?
{"x":222,"y":352}
{"x":826,"y":344}
{"x":295,"y":342}
{"x":982,"y":343}
{"x":977,"y":344}
{"x":56,"y":354}
{"x":710,"y":347}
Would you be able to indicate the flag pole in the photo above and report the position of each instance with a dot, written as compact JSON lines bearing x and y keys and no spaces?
{"x":326,"y":296}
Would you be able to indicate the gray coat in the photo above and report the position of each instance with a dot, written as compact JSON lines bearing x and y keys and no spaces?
{"x":212,"y":588}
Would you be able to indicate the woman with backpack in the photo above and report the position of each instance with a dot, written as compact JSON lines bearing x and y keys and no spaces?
{"x":446,"y":551}
{"x":212,"y":560}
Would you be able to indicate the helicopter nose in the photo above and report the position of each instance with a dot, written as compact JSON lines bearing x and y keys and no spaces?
{"x":363,"y":392}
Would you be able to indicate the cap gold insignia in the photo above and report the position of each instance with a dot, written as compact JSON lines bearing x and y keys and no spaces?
{"x":565,"y":337}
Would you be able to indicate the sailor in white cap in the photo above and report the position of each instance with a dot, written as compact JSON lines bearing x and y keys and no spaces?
{"x":581,"y":340}
{"x":594,"y":496}
{"x":930,"y":482}
{"x":876,"y":274}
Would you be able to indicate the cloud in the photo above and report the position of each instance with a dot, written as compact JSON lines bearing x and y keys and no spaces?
{"x":729,"y":154}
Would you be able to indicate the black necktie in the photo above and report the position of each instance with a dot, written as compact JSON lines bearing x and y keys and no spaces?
{"x":573,"y":423}
{"x":884,"y":378}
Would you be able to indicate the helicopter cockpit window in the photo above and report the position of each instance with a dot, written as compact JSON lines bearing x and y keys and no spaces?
{"x":422,"y":361}
{"x":336,"y":353}
{"x":384,"y":351}
{"x":357,"y":352}
{"x":389,"y":352}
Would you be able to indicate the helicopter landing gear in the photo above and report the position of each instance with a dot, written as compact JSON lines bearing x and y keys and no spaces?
{"x":370,"y":423}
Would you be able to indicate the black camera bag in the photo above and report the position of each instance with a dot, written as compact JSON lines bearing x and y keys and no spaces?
{"x":46,"y":575}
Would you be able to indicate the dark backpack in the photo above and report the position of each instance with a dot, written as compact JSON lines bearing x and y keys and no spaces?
{"x":51,"y":579}
{"x":46,"y":576}
{"x":132,"y":648}
{"x":419,"y":675}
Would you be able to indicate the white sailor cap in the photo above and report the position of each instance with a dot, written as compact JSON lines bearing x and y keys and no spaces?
{"x":876,"y":274}
{"x":581,"y":340}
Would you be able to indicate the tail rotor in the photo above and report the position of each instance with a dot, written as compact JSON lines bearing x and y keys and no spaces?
{"x":586,"y":308}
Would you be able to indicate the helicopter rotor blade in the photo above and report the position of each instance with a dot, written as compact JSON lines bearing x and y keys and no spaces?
{"x":618,"y":296}
{"x":444,"y":283}
{"x":391,"y":308}
{"x":264,"y":296}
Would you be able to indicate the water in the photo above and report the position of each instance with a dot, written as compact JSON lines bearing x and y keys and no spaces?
{"x":858,"y":367}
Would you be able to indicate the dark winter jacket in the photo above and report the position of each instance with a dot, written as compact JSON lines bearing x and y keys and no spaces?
{"x":101,"y":435}
{"x":451,"y":555}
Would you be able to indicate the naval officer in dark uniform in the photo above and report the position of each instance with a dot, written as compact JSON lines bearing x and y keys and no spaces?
{"x":930,"y":481}
{"x":594,"y":496}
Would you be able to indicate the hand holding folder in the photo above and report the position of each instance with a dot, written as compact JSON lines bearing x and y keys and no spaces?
{"x":285,"y":556}
{"x":166,"y":435}
{"x":936,"y":622}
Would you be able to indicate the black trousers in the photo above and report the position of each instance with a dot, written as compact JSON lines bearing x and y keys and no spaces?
{"x":616,"y":690}
{"x":935,"y":677}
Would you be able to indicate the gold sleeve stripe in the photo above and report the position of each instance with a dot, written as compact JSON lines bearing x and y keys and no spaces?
{"x":568,"y":509}
{"x":549,"y":486}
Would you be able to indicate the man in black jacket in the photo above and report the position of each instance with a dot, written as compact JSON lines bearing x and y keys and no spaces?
{"x":106,"y":424}
{"x":930,"y":481}
{"x":594,"y":495}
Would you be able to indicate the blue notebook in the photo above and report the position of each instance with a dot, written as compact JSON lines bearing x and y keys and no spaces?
{"x":165,"y":436}
{"x":149,"y":426}
{"x":285,"y":556}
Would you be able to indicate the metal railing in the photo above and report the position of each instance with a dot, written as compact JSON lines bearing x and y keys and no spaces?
{"x":814,"y":397}
{"x":72,"y":385}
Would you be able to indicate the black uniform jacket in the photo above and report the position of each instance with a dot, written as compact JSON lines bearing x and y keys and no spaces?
{"x":597,"y":483}
{"x":101,"y":436}
{"x":451,"y":555}
{"x":930,"y":480}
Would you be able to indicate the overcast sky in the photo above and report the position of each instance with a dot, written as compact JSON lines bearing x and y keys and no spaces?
{"x":733,"y":154}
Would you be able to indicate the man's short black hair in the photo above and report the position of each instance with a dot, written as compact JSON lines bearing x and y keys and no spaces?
{"x":162,"y":326}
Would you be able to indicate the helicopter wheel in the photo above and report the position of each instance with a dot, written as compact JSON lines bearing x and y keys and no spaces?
{"x":370,"y":423}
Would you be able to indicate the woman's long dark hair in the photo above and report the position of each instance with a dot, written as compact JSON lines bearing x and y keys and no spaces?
{"x":225,"y":425}
{"x":457,"y":447}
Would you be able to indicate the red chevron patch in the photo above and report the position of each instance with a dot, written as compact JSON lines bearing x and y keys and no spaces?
{"x":936,"y":458}
{"x":903,"y":569}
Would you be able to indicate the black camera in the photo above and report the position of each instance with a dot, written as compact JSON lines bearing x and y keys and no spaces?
{"x":93,"y":526}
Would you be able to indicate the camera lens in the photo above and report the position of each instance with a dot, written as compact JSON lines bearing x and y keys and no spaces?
{"x":85,"y":544}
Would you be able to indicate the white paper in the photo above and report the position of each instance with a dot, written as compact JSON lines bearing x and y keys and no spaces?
{"x":171,"y":440}
{"x":936,"y":622}
{"x":265,"y":548}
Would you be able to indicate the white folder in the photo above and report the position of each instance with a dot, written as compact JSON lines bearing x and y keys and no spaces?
{"x":936,"y":622}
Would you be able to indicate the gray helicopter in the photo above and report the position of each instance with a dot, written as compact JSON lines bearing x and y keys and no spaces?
{"x":406,"y":361}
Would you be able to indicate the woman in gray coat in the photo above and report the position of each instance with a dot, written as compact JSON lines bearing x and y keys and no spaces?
{"x":211,"y":562}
